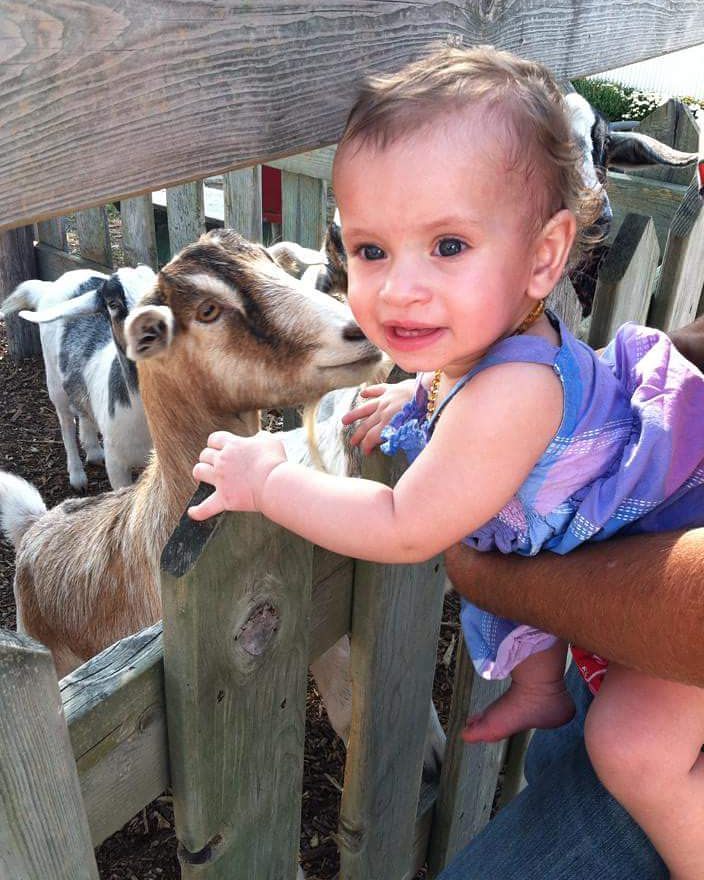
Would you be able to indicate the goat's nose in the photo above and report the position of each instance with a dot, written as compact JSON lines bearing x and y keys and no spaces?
{"x":352,"y":332}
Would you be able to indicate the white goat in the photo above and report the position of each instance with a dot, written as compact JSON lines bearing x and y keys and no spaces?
{"x":81,"y":316}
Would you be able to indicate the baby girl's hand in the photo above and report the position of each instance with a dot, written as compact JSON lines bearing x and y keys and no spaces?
{"x":386,"y":401}
{"x":238,"y":468}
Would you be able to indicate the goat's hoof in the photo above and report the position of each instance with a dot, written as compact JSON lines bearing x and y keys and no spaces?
{"x":95,"y":456}
{"x":79,"y":482}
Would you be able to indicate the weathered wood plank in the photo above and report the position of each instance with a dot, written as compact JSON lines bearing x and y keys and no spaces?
{"x":51,"y":263}
{"x":43,"y":826}
{"x":242,"y":210}
{"x":303,"y":209}
{"x":185,"y":213}
{"x":681,"y":278}
{"x":18,"y":264}
{"x":314,"y":163}
{"x":93,"y":235}
{"x":139,"y":232}
{"x":638,"y":195}
{"x":626,"y":278}
{"x":235,"y":666}
{"x":395,"y":625}
{"x":469,"y":773}
{"x":563,"y":301}
{"x":114,"y":706}
{"x":215,"y":85}
{"x":53,"y":232}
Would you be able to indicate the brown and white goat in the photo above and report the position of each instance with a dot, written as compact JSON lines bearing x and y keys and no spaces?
{"x":223,"y":333}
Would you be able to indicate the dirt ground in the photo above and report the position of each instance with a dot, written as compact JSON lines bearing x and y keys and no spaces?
{"x":145,"y":849}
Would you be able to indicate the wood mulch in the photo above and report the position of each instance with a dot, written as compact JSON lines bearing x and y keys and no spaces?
{"x":145,"y":849}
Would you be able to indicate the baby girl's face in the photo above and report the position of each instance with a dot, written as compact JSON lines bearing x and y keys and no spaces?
{"x":439,"y":243}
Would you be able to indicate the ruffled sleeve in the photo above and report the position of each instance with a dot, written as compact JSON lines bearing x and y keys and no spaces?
{"x":408,"y":430}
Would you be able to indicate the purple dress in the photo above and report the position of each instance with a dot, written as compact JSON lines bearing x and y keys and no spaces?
{"x":628,"y":457}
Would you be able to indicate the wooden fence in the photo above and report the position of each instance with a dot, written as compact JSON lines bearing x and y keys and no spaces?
{"x":221,"y":87}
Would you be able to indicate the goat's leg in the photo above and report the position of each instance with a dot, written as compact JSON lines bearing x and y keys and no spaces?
{"x":88,"y":433}
{"x":331,"y":672}
{"x":67,"y":422}
{"x":332,"y":675}
{"x":119,"y":471}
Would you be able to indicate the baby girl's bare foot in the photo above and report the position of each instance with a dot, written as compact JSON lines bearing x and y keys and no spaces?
{"x":522,"y":707}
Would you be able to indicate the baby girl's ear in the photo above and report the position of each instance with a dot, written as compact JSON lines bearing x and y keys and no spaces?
{"x":552,"y":248}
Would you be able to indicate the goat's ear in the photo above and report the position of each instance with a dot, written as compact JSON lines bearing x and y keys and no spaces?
{"x":630,"y":149}
{"x":86,"y":304}
{"x":148,"y":331}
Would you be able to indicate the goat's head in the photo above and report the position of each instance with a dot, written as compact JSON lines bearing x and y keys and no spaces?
{"x":603,"y":146}
{"x":230,"y":324}
{"x":113,"y":297}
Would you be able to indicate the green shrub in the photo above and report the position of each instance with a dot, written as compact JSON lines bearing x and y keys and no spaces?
{"x":624,"y":102}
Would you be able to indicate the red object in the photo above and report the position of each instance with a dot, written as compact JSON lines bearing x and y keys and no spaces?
{"x":592,"y":668}
{"x":700,"y":174}
{"x":271,"y":194}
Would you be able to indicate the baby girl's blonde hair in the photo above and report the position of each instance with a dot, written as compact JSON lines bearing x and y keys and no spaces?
{"x":518,"y":99}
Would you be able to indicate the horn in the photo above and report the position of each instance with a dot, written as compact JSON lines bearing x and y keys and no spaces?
{"x":634,"y":150}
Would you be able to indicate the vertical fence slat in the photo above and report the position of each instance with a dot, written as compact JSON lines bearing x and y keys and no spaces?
{"x":185,"y":212}
{"x":469,"y":772}
{"x":94,"y":235}
{"x":243,"y":201}
{"x":44,"y":831}
{"x":53,"y":232}
{"x":395,"y":625}
{"x":626,"y":278}
{"x":236,"y":633}
{"x":564,"y":301}
{"x":682,"y":272}
{"x":138,"y":231}
{"x":18,"y":264}
{"x":303,"y":208}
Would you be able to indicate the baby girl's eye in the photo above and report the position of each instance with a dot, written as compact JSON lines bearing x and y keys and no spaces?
{"x":371,"y":252}
{"x":450,"y":247}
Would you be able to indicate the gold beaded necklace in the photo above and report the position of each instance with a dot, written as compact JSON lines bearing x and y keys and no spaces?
{"x":527,"y":322}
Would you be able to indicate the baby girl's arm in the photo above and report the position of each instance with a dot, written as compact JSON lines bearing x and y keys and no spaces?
{"x":486,"y":443}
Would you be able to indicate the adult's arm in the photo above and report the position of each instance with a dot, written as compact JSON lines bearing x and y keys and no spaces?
{"x":638,"y":601}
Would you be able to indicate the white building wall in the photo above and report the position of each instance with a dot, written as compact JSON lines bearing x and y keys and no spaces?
{"x":679,"y":73}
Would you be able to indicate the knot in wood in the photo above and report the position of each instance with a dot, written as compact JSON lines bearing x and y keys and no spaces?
{"x":259,"y":629}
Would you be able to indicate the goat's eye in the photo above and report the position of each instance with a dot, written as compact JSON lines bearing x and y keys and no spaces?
{"x":371,"y":252}
{"x":208,"y":312}
{"x":449,"y":247}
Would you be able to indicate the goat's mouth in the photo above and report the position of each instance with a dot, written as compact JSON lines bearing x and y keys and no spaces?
{"x":372,"y":358}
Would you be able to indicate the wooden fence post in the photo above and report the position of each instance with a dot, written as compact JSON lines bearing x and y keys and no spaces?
{"x":139,"y":231}
{"x":682,"y":272}
{"x":94,"y":236}
{"x":185,"y":214}
{"x":396,"y":617}
{"x":626,"y":278}
{"x":469,"y":775}
{"x":304,"y":209}
{"x":44,"y":831}
{"x":236,"y":595}
{"x":18,"y":264}
{"x":243,"y":202}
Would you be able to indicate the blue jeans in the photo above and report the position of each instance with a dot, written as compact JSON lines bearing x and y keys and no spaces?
{"x":564,"y":825}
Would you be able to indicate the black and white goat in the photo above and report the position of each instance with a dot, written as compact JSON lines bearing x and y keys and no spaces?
{"x":81,"y":319}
